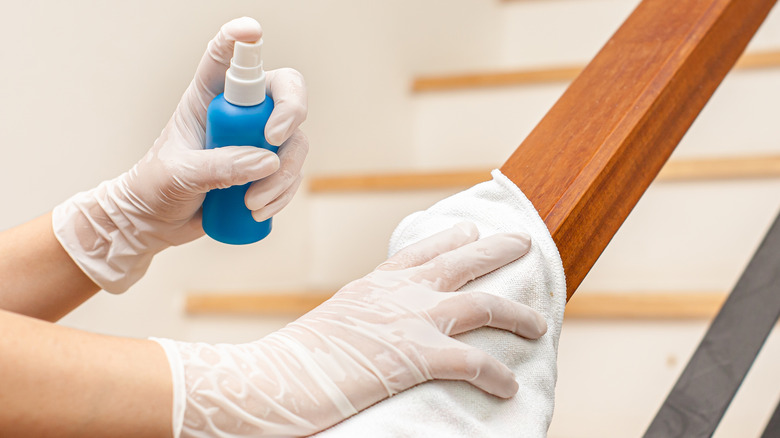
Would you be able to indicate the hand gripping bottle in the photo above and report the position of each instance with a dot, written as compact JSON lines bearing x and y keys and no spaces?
{"x":238,"y":118}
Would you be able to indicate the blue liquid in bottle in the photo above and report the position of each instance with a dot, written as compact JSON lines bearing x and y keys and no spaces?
{"x":238,"y":118}
{"x":225,"y":215}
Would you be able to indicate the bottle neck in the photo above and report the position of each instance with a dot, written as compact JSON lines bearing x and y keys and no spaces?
{"x":245,"y":86}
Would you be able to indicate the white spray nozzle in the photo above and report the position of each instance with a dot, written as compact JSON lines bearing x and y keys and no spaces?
{"x":245,"y":79}
{"x":247,"y":54}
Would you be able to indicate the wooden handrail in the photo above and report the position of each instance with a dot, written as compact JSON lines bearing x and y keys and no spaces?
{"x":591,"y":305}
{"x":511,"y":78}
{"x":265,"y":303}
{"x":593,"y":155}
{"x":645,"y":305}
{"x":398,"y":181}
{"x":676,"y":170}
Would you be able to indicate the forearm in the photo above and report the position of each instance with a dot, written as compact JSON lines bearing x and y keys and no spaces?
{"x":37,"y":277}
{"x":64,"y":382}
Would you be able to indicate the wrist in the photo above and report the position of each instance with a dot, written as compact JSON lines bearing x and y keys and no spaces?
{"x":258,"y":388}
{"x":101,"y":239}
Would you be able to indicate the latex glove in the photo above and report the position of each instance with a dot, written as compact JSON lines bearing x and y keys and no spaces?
{"x":113,"y":231}
{"x":375,"y":337}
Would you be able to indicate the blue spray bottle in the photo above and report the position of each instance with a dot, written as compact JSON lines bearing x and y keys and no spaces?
{"x":238,"y":118}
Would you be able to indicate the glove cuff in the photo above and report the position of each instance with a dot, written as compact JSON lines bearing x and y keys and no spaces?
{"x":177,"y":379}
{"x":101,"y":239}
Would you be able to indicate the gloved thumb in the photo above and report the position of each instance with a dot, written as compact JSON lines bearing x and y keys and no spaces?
{"x":223,"y":167}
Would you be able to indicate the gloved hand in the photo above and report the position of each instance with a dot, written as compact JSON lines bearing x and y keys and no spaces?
{"x":375,"y":337}
{"x":113,"y":231}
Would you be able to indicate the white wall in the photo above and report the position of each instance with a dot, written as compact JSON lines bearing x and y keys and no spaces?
{"x":86,"y":86}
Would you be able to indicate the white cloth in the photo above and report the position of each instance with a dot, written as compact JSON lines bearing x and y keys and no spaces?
{"x":456,"y":409}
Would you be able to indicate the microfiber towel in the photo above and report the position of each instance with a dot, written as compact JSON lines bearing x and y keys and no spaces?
{"x":456,"y":409}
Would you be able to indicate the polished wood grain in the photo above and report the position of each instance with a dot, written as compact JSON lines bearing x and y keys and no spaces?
{"x":590,"y":159}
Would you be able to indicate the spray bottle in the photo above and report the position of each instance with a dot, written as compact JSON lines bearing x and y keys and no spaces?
{"x":238,"y":117}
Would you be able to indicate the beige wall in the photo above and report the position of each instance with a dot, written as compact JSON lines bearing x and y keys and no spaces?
{"x":86,"y":86}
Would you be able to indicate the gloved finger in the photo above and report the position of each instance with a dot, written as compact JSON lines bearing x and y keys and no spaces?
{"x":466,"y":311}
{"x":451,"y":270}
{"x":292,"y":154}
{"x":209,"y":78}
{"x":288,"y":91}
{"x":420,"y":252}
{"x":279,"y":203}
{"x":208,"y":169}
{"x":466,"y":363}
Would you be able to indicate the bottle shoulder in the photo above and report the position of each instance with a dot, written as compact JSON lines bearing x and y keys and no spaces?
{"x":220,"y":106}
{"x":231,"y":125}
